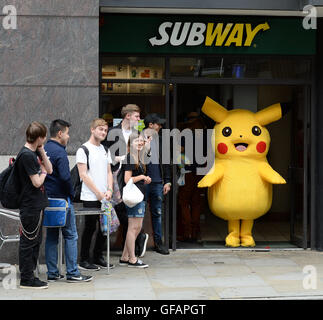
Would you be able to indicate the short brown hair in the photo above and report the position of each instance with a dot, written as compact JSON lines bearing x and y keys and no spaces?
{"x":129,"y":108}
{"x":98,"y":122}
{"x":34,"y":131}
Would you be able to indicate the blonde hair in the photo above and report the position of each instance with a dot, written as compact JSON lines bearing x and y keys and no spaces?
{"x":98,"y":122}
{"x":129,"y":108}
{"x":137,"y":156}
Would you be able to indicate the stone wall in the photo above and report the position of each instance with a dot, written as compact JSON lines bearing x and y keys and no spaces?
{"x":49,"y":69}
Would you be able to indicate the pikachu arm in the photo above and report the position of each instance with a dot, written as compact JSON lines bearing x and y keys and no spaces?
{"x":269,"y":174}
{"x":213,"y":176}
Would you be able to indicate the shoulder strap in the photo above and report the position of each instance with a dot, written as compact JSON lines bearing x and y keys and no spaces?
{"x":20,"y":153}
{"x":86,"y":150}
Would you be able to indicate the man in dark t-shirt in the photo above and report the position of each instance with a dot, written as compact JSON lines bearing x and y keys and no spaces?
{"x":33,"y":166}
{"x":29,"y":165}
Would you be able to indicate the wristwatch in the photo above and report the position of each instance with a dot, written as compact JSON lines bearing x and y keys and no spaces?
{"x":170,"y":184}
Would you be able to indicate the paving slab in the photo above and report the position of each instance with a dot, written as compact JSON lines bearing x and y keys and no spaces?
{"x":191,"y":275}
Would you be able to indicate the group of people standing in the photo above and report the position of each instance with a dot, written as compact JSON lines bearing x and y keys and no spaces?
{"x":45,"y":170}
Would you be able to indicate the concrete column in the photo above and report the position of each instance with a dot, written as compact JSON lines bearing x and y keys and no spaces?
{"x":319,"y":139}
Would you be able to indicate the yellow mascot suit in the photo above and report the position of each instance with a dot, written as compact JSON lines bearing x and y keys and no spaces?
{"x":240,"y":181}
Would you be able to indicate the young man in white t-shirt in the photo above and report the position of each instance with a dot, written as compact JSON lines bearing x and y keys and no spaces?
{"x":97,"y":185}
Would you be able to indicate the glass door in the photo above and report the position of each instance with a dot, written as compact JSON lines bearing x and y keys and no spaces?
{"x":299,"y":170}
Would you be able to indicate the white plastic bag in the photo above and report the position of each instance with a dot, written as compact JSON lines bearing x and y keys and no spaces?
{"x":131,"y":194}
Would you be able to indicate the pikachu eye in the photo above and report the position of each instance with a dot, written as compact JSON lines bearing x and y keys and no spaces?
{"x":227,"y":131}
{"x":256,"y":131}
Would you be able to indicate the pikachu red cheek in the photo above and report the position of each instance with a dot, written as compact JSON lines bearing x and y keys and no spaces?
{"x":222,"y":148}
{"x":261,"y":147}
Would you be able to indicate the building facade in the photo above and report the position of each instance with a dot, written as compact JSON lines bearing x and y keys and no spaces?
{"x":80,"y":61}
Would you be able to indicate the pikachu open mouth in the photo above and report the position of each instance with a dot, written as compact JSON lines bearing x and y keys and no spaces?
{"x":241,"y":146}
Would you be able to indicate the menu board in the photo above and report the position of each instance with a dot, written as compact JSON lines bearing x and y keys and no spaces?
{"x":132,"y":72}
{"x":145,"y":73}
{"x":115,"y":71}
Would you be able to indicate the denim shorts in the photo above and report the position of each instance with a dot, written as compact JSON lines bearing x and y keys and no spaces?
{"x":138,"y":211}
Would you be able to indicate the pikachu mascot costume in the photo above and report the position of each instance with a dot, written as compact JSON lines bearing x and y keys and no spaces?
{"x":240,"y":181}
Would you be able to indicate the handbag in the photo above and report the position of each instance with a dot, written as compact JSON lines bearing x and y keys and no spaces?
{"x":131,"y":194}
{"x":55,"y":214}
{"x":109,"y":216}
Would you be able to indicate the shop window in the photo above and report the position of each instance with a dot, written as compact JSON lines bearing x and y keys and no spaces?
{"x":150,"y":97}
{"x":133,"y":68}
{"x":242,"y":67}
{"x":132,"y":88}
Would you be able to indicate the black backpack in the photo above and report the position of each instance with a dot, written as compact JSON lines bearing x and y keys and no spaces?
{"x":11,"y":191}
{"x":75,"y":177}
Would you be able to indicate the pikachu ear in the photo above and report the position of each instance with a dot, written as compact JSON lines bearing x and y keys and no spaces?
{"x":214,"y":110}
{"x":269,"y":114}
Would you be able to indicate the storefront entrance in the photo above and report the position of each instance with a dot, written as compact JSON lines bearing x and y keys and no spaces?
{"x":179,"y":102}
{"x":169,"y":64}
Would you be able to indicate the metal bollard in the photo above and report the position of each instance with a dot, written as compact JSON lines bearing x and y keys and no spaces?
{"x":60,"y":251}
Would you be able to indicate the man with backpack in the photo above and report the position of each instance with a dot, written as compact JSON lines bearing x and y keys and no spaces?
{"x":95,"y":172}
{"x":58,"y":185}
{"x":33,"y":166}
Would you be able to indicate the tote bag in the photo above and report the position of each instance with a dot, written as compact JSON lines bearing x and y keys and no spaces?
{"x":110,"y":215}
{"x":131,"y":195}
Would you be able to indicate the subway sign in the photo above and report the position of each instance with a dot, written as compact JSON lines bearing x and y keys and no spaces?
{"x":209,"y":34}
{"x":191,"y":34}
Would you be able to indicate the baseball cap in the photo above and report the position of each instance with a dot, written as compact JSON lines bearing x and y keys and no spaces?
{"x":153,"y":118}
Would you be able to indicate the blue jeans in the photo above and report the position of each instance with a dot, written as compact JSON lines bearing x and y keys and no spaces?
{"x":51,"y":246}
{"x":154,"y":193}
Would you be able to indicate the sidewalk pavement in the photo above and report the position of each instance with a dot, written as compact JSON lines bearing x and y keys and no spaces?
{"x":197,"y":275}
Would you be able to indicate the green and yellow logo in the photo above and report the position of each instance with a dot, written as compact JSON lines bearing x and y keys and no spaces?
{"x":211,"y":34}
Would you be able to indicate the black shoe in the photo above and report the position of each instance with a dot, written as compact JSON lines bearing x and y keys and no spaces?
{"x":80,"y":278}
{"x":123,"y":263}
{"x":85,"y":265}
{"x":103,"y":264}
{"x":160,"y":248}
{"x":138,"y":264}
{"x":142,"y":240}
{"x":55,"y":278}
{"x":33,"y":284}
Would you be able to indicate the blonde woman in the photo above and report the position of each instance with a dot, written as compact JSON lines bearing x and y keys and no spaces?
{"x":135,"y":169}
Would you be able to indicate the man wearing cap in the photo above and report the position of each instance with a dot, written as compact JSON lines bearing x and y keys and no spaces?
{"x":160,"y":176}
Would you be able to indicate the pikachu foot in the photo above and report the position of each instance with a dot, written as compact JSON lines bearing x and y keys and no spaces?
{"x":246,"y":234}
{"x":232,"y":240}
{"x":247,"y":241}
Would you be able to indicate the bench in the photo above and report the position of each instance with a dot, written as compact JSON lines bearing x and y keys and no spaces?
{"x":10,"y":238}
{"x":78,"y":212}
